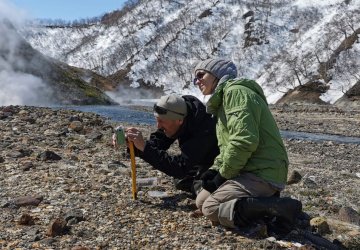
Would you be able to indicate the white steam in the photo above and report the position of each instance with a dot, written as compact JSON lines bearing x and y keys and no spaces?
{"x":125,"y":95}
{"x":22,"y":89}
{"x":16,"y":87}
{"x":10,"y":12}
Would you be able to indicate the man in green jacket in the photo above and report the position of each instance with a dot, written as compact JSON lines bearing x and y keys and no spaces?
{"x":251,"y":169}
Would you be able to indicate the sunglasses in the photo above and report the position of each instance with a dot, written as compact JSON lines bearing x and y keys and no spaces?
{"x":163,"y":111}
{"x":199,"y":75}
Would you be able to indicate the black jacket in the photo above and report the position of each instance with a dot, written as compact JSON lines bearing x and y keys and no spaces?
{"x":197,"y":142}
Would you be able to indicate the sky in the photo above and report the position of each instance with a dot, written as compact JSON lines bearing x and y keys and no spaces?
{"x":68,"y":10}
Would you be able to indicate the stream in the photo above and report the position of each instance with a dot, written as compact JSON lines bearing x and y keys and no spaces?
{"x":130,"y":114}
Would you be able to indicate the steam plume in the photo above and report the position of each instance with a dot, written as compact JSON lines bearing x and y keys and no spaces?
{"x":17,"y":87}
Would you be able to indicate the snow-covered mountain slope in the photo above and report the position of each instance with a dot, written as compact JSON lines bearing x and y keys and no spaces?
{"x":281,"y":44}
{"x":28,"y":77}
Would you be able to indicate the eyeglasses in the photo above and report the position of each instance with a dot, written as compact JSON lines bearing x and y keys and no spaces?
{"x":163,"y":111}
{"x":199,"y":76}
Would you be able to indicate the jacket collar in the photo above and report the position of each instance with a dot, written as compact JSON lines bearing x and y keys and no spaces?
{"x":215,"y":101}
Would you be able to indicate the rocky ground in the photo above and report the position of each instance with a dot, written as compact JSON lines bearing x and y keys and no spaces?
{"x":63,"y":186}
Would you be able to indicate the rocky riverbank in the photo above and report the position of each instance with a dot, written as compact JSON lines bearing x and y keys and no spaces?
{"x":63,"y":186}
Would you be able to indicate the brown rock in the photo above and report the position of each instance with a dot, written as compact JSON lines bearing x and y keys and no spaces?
{"x":77,"y":126}
{"x":26,"y":220}
{"x":57,"y":227}
{"x":27,"y":201}
{"x":295,"y":177}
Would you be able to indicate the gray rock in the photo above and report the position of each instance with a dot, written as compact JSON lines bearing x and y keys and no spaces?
{"x":33,"y":231}
{"x":349,"y":215}
{"x":309,"y":183}
{"x":75,"y":118}
{"x":26,"y":166}
{"x":48,"y":156}
{"x":95,"y":136}
{"x":74,"y":214}
{"x":15,"y":154}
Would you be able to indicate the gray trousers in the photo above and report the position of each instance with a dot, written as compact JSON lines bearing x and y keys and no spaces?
{"x":219,"y":206}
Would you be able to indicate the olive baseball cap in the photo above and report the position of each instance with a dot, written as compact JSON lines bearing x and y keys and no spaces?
{"x":170,"y":107}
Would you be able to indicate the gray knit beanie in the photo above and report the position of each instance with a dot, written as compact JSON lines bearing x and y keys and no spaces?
{"x":218,"y":67}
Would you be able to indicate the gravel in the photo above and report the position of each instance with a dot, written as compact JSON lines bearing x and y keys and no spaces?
{"x":63,"y":186}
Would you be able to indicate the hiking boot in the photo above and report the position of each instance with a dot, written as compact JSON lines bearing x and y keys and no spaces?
{"x":248,"y":210}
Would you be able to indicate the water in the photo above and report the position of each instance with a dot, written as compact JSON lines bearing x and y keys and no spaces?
{"x":318,"y":137}
{"x":117,"y":113}
{"x":130,"y":115}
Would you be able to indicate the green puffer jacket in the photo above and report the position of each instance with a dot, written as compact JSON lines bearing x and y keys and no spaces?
{"x":248,"y":137}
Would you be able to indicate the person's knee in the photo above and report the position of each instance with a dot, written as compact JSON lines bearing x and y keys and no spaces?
{"x":210,"y":209}
{"x":201,"y":197}
{"x":199,"y":202}
{"x":207,"y":210}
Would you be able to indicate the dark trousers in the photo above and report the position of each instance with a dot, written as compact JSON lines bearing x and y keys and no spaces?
{"x":191,"y":183}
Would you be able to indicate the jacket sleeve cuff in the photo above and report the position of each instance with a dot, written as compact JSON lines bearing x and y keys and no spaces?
{"x":227,"y":173}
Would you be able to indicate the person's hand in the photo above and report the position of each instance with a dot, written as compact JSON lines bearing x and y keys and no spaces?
{"x":114,"y":141}
{"x":134,"y":135}
{"x":211,"y":185}
{"x":208,"y":175}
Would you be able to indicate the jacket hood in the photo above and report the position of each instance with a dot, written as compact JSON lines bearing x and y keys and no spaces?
{"x":196,"y":117}
{"x":225,"y":83}
{"x":251,"y":84}
{"x":195,"y":107}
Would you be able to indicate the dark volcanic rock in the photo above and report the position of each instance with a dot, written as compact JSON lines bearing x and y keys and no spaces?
{"x":57,"y":227}
{"x":48,"y":156}
{"x":295,"y":177}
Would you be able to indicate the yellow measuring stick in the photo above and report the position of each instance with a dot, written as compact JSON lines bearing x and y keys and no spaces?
{"x":133,"y":169}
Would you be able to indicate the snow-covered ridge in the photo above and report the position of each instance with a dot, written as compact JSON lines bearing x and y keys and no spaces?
{"x":279,"y":43}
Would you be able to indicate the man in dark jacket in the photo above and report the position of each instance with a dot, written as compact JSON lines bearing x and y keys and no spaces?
{"x":183,"y":119}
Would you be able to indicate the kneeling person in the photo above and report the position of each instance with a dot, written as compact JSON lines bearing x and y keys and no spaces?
{"x":183,"y":119}
{"x":253,"y":164}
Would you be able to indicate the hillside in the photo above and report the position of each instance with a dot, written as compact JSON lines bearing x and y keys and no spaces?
{"x":283,"y":44}
{"x":29,"y":77}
